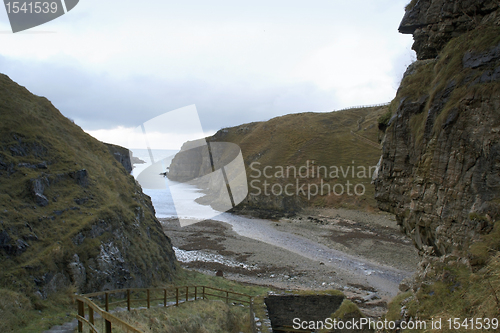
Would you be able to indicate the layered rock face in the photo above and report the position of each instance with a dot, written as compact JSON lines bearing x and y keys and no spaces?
{"x":70,"y":212}
{"x":122,"y":155}
{"x":434,"y":23}
{"x":440,"y":170}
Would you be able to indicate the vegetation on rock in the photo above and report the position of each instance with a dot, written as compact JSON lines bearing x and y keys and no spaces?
{"x":439,"y":172}
{"x":71,"y":216}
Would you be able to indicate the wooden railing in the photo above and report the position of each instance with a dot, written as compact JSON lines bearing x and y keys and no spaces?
{"x":364,"y":106}
{"x":95,"y":302}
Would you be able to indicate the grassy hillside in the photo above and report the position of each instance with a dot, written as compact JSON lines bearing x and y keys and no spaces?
{"x":71,"y":217}
{"x":199,"y":316}
{"x":333,"y":143}
{"x":450,"y":289}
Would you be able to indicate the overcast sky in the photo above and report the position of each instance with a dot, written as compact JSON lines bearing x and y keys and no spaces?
{"x":113,"y":65}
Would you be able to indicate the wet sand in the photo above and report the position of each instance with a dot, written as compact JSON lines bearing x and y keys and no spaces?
{"x":360,"y":253}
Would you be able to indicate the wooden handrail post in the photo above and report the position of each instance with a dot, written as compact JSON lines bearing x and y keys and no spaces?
{"x":106,"y":297}
{"x":81,"y":313}
{"x":252,"y":316}
{"x":108,"y":326}
{"x":109,"y":320}
{"x":128,"y":299}
{"x":91,"y":316}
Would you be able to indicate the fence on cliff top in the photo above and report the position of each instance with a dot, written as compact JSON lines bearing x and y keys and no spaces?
{"x":364,"y":106}
{"x":176,"y":295}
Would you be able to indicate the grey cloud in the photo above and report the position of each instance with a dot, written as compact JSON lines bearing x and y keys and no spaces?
{"x":98,"y":101}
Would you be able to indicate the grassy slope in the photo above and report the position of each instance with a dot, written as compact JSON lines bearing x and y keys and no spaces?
{"x":200,"y":316}
{"x":324,"y":138}
{"x":452,"y":290}
{"x":33,"y":131}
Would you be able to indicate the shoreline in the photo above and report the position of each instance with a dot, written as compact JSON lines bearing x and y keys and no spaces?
{"x":372,"y":238}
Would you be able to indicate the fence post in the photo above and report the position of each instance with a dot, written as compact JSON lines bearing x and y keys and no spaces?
{"x":81,"y":313}
{"x":147,"y":291}
{"x":227,"y":297}
{"x":107,"y":302}
{"x":128,"y":299}
{"x":203,"y":292}
{"x":195,"y":293}
{"x":165,"y":297}
{"x":187,"y":294}
{"x":108,"y":326}
{"x":252,"y":316}
{"x":177,"y":296}
{"x":91,"y":315}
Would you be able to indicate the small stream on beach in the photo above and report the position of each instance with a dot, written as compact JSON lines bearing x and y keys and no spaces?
{"x":384,"y":278}
{"x":381,"y":277}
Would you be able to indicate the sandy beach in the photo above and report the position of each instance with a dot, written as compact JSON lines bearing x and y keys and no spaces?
{"x":363,"y":254}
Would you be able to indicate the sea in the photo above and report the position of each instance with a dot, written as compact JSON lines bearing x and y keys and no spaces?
{"x":161,"y":194}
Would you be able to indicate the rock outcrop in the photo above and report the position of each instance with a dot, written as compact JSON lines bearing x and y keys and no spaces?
{"x":70,"y":212}
{"x":284,"y":310}
{"x":434,"y":23}
{"x":440,"y":168}
{"x":122,"y":155}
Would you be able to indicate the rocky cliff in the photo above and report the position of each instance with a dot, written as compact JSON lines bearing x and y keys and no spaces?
{"x":70,"y":213}
{"x":122,"y":155}
{"x":299,"y":160}
{"x":434,"y":23}
{"x":440,"y":170}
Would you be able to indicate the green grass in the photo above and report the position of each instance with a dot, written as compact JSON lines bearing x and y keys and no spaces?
{"x":394,"y":307}
{"x":192,"y":278}
{"x":480,"y":252}
{"x":22,"y":314}
{"x":451,"y":289}
{"x":345,"y":312}
{"x":194,"y":317}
